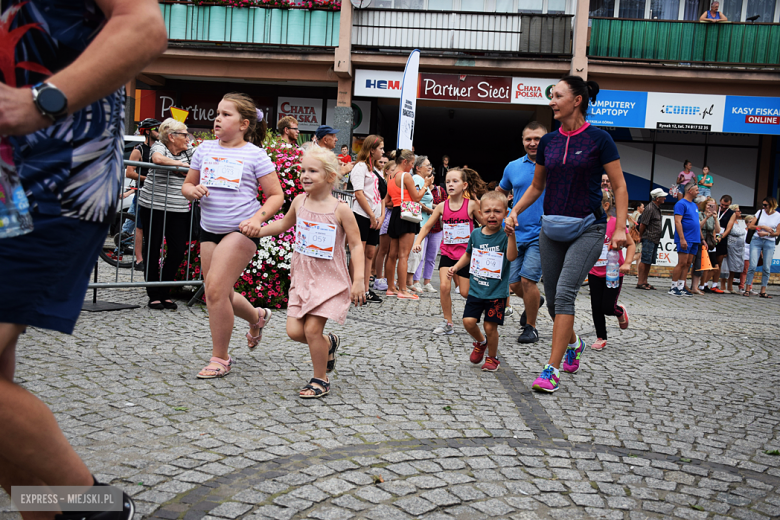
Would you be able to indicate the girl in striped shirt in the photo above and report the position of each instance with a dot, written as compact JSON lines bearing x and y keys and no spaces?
{"x":225,"y":176}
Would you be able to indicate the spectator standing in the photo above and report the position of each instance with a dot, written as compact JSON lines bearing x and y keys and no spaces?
{"x":683,"y":178}
{"x":526,"y":270}
{"x":603,"y":299}
{"x":687,"y":237}
{"x":72,"y":196}
{"x":712,"y":14}
{"x":745,"y":254}
{"x":650,"y":232}
{"x":441,"y":175}
{"x":766,"y":229}
{"x":380,"y":281}
{"x":710,"y":229}
{"x":705,"y":182}
{"x":326,"y":138}
{"x":344,"y":156}
{"x":423,"y":170}
{"x":574,"y":223}
{"x":633,"y":226}
{"x":726,"y":218}
{"x":368,"y":204}
{"x":736,"y":248}
{"x":149,"y":128}
{"x":288,"y":130}
{"x":165,"y":212}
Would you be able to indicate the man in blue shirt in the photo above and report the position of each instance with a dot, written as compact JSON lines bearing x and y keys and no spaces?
{"x":687,"y":237}
{"x":526,"y":270}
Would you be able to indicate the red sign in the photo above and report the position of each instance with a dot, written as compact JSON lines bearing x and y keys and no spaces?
{"x":763,"y":120}
{"x":451,"y":87}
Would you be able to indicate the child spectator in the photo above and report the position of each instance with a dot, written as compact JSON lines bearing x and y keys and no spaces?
{"x":488,"y":255}
{"x":604,"y":300}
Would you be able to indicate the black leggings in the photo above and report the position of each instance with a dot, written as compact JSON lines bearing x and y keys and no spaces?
{"x":603,"y":302}
{"x":177,"y":234}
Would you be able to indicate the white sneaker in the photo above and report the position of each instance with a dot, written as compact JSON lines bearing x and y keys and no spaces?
{"x":416,"y":287}
{"x":444,"y":329}
{"x":430,"y":288}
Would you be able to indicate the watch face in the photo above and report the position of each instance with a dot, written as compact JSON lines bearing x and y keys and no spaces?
{"x":51,"y":100}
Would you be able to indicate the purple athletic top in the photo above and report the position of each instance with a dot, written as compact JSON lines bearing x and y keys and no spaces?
{"x":575,"y":162}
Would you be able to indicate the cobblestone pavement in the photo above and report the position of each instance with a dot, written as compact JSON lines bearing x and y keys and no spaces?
{"x":676,"y":418}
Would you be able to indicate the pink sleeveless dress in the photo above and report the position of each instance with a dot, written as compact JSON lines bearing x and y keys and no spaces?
{"x":320,"y":287}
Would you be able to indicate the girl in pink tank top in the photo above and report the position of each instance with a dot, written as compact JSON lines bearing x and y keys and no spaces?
{"x":457,"y":215}
{"x":320,"y":288}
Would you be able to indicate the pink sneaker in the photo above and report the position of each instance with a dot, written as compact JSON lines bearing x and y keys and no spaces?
{"x":599,"y":344}
{"x":547,"y":381}
{"x":624,"y":322}
{"x":571,"y":360}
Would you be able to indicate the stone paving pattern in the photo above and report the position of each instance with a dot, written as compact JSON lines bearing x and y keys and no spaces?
{"x":676,"y":418}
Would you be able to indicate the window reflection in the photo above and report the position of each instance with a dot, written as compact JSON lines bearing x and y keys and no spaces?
{"x":602,"y":8}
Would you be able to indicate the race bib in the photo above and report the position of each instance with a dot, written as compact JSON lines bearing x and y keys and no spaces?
{"x":315,"y":239}
{"x":457,"y":233}
{"x":221,"y":172}
{"x":602,"y":262}
{"x":486,"y":264}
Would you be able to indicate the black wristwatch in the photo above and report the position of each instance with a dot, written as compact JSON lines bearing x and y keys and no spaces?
{"x":50,"y":100}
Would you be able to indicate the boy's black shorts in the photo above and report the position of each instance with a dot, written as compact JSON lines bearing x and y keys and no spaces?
{"x":493,"y":309}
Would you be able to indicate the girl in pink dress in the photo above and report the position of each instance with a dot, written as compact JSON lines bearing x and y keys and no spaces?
{"x":320,"y":288}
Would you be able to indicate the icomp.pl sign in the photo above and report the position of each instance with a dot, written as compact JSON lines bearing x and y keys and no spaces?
{"x":698,"y":112}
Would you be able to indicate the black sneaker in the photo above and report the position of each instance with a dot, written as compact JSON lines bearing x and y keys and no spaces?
{"x":524,"y":318}
{"x":371,"y":297}
{"x":138,"y":266}
{"x":529,"y":335}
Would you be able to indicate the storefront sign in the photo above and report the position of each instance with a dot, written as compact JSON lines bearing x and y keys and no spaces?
{"x":378,"y":83}
{"x":453,"y":87}
{"x":754,"y":115}
{"x":532,"y":91}
{"x":308,"y":112}
{"x":699,"y":112}
{"x":619,"y":108}
{"x":361,"y":116}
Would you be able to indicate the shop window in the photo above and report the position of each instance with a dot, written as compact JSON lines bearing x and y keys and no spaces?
{"x":734,"y":172}
{"x":556,"y":6}
{"x":669,"y":161}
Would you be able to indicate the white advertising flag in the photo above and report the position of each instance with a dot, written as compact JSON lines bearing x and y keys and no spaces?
{"x":408,"y":104}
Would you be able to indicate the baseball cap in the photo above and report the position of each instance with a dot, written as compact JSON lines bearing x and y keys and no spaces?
{"x":325,"y":130}
{"x":658,"y":192}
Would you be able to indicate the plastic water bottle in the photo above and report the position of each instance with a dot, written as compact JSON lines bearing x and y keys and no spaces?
{"x":613,"y":269}
{"x":15,"y":218}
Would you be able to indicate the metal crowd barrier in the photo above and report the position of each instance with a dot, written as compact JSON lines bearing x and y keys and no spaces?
{"x":344,"y":195}
{"x":117,"y":284}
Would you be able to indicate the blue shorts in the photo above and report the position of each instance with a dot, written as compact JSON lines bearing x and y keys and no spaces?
{"x":46,"y":272}
{"x":528,"y":263}
{"x":692,"y":248}
{"x":649,"y":252}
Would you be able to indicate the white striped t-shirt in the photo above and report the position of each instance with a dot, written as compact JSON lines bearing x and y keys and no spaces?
{"x":224,"y":209}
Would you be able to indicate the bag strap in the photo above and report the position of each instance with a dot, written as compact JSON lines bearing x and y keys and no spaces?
{"x":402,"y":187}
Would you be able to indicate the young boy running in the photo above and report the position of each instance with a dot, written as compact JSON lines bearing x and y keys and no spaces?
{"x":488,"y":254}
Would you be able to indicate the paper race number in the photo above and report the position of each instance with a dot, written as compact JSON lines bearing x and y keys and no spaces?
{"x":221,"y":172}
{"x":457,"y":233}
{"x":486,"y":264}
{"x":315,"y":239}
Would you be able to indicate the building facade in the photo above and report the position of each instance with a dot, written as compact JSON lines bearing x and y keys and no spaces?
{"x":673,"y":88}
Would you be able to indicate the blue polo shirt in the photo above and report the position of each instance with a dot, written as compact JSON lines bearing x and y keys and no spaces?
{"x":690,"y":221}
{"x":518,"y":176}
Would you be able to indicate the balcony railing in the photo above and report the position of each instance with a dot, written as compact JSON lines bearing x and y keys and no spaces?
{"x":250,"y":25}
{"x":725,"y":44}
{"x":462,"y":31}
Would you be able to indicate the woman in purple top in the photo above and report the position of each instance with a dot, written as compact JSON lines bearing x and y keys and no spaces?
{"x":683,"y":178}
{"x":569,"y":165}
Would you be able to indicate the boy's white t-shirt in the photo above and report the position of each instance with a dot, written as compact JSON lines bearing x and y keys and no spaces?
{"x":225,"y":208}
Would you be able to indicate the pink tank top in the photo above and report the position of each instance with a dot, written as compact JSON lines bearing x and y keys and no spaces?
{"x":456,"y":239}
